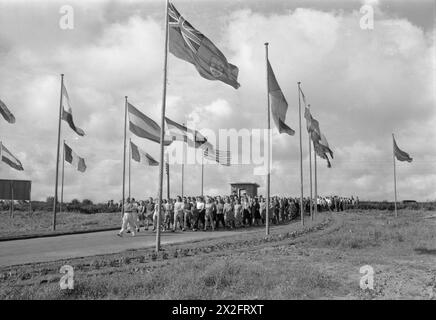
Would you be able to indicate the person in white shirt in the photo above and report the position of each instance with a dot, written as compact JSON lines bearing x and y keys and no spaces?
{"x":128,"y":219}
{"x":155,"y":214}
{"x":178,"y":214}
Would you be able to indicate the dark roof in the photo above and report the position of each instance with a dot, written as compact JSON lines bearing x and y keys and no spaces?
{"x":244,"y":183}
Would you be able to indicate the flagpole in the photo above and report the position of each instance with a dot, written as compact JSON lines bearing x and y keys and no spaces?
{"x":183,"y":167}
{"x":268,"y":177}
{"x":310,"y":175}
{"x":167,"y":164}
{"x":55,"y":200}
{"x":395,"y":176}
{"x":162,"y":126}
{"x":316,"y":183}
{"x":62,"y":179}
{"x":202,"y":175}
{"x":130,"y":164}
{"x":12,"y":199}
{"x":301,"y":158}
{"x":124,"y":157}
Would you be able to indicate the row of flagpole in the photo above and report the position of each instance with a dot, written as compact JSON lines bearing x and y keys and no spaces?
{"x":228,"y":74}
{"x":230,"y":79}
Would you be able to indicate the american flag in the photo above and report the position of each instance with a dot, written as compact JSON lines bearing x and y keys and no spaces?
{"x":221,"y":157}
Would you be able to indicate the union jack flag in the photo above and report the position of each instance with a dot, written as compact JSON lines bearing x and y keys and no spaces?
{"x":191,"y":36}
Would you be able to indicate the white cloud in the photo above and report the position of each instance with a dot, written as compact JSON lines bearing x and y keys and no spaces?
{"x":362,"y":85}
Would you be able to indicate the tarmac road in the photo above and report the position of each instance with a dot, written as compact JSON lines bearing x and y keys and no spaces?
{"x":81,"y":245}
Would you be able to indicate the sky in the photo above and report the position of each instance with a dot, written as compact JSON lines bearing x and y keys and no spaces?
{"x":362,"y":84}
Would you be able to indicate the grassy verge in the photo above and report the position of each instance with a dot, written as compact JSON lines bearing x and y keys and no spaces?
{"x":40,"y":222}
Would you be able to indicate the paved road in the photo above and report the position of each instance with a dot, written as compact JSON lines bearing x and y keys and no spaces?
{"x":82,"y":245}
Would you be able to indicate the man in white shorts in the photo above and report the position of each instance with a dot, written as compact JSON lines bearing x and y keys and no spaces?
{"x":128,"y":219}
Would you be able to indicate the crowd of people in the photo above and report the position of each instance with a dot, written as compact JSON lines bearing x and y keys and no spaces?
{"x":213,"y":213}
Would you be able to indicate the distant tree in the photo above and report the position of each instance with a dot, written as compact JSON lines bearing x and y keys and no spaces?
{"x":75,"y":202}
{"x":87,"y":202}
{"x":49,"y":200}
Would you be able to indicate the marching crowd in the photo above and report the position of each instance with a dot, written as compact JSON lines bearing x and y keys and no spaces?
{"x":213,"y":213}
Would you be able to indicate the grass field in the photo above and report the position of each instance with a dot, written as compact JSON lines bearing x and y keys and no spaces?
{"x":320,"y":262}
{"x":40,"y":222}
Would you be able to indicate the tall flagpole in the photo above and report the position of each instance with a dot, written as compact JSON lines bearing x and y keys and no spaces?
{"x":130,"y":164}
{"x":202,"y":175}
{"x":162,"y":126}
{"x":395,"y":177}
{"x":55,"y":200}
{"x":268,"y":177}
{"x":62,"y":179}
{"x":310,"y":175}
{"x":167,"y":165}
{"x":124,"y":157}
{"x":183,"y":167}
{"x":316,"y":183}
{"x":301,"y":158}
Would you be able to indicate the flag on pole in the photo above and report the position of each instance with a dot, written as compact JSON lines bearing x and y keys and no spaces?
{"x":279,"y":106}
{"x":182,"y":133}
{"x":303,"y":97}
{"x":400,"y":154}
{"x":145,"y":127}
{"x":140,"y":156}
{"x":189,"y":44}
{"x":9,"y":158}
{"x":221,"y":157}
{"x":322,"y":148}
{"x":9,"y":117}
{"x":67,"y":112}
{"x":72,"y":158}
{"x":312,"y":125}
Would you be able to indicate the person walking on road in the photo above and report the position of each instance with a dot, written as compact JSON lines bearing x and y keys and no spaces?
{"x":128,"y":219}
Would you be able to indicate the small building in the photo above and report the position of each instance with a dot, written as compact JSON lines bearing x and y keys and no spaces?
{"x":239,"y":189}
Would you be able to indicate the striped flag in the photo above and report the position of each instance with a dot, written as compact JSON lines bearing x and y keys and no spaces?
{"x":67,"y":112}
{"x":140,"y":156}
{"x":10,"y":159}
{"x":189,"y":44}
{"x":145,"y":127}
{"x":400,"y":154}
{"x":9,"y":117}
{"x":182,"y":133}
{"x":72,"y":158}
{"x":279,"y":106}
{"x":221,"y":157}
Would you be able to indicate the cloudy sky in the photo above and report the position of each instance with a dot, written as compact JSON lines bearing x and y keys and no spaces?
{"x":362,"y":85}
